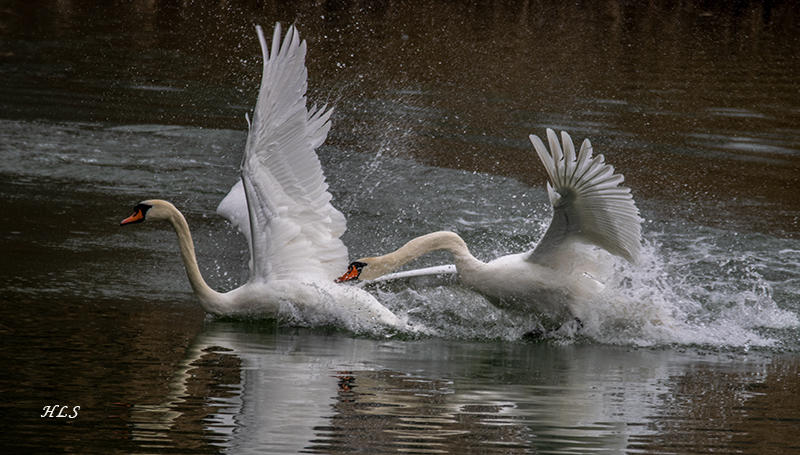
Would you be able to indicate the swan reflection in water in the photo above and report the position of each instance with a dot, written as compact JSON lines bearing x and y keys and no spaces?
{"x":289,"y":392}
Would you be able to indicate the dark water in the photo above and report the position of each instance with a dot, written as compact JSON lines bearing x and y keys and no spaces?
{"x":697,"y":104}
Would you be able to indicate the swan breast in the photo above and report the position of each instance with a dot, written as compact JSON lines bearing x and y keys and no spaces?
{"x":312,"y":302}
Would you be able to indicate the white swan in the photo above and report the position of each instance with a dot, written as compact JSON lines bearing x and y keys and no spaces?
{"x":282,"y":206}
{"x":589,"y":206}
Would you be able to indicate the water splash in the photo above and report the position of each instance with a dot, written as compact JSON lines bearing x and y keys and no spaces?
{"x":688,"y":298}
{"x":684,"y":294}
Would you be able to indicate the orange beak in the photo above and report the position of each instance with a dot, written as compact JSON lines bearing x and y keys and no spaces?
{"x":138,"y":216}
{"x":352,"y":274}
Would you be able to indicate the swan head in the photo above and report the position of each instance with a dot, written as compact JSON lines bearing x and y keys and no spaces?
{"x":153,"y":209}
{"x":353,"y":271}
{"x":366,"y":269}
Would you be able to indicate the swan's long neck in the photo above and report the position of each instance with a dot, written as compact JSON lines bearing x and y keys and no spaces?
{"x":209,"y":298}
{"x":441,"y":240}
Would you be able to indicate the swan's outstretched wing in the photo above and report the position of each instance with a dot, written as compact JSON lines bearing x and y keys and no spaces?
{"x":233,"y":206}
{"x":292,"y":227}
{"x":588,"y":203}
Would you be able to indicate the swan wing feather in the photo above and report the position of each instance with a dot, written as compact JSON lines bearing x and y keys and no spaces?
{"x":589,"y":204}
{"x":233,"y":207}
{"x":292,"y":228}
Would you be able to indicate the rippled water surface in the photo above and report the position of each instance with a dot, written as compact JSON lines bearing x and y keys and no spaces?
{"x":697,"y":105}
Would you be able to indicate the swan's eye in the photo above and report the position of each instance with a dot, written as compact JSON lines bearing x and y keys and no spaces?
{"x":353,"y":272}
{"x":138,"y":215}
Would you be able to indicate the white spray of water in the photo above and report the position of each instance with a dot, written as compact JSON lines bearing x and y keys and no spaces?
{"x":658,"y":302}
{"x":662,"y":300}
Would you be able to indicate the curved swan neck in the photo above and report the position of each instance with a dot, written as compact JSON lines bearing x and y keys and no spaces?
{"x":441,"y":240}
{"x":208,"y":297}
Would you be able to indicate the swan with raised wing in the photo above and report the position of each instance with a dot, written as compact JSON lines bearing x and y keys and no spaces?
{"x":282,"y":206}
{"x":589,"y":207}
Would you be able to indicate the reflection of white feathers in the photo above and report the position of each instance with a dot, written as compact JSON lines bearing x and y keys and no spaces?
{"x":278,"y":401}
{"x":283,"y":393}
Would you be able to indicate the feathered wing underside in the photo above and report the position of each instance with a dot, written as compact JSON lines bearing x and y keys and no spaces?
{"x":282,"y":204}
{"x":588,"y":203}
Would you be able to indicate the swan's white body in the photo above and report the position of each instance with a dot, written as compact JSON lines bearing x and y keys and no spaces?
{"x":561,"y":272}
{"x":283,"y":208}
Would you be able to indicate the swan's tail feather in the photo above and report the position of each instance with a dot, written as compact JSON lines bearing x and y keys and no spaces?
{"x":588,"y":201}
